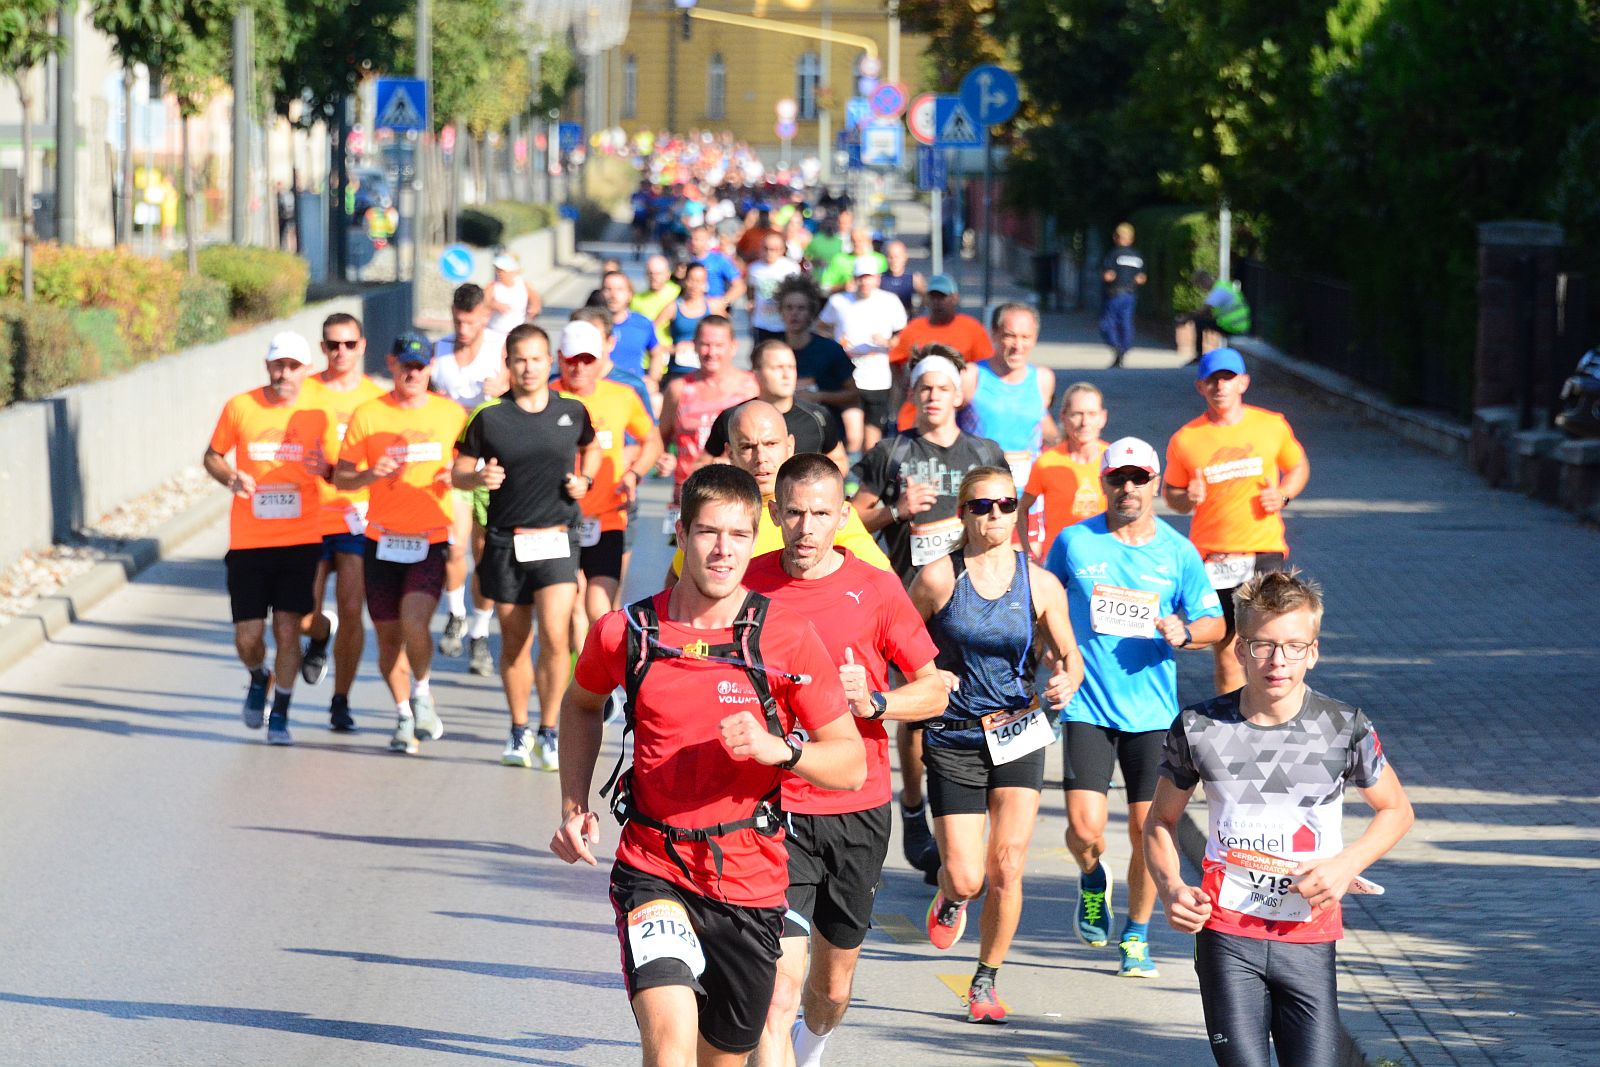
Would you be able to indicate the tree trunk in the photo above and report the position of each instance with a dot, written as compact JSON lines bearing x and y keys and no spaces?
{"x":125,"y":218}
{"x":188,"y":201}
{"x":24,"y":79}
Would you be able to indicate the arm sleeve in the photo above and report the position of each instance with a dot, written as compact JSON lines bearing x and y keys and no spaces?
{"x":1035,"y":486}
{"x":600,"y":666}
{"x":471,"y":442}
{"x":1177,"y":762}
{"x":830,"y":313}
{"x":872,"y":473}
{"x":717,"y":439}
{"x":982,"y":347}
{"x":353,"y":447}
{"x":639,"y":421}
{"x":1366,"y":761}
{"x":908,"y":642}
{"x":830,"y":430}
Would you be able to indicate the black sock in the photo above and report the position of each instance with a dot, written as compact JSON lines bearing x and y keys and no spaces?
{"x":984,"y":973}
{"x":260,"y":675}
{"x":341,"y":700}
{"x":317,"y":644}
{"x":280,"y":702}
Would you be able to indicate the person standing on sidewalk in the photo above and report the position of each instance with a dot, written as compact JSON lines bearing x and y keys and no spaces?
{"x":1236,"y":467}
{"x":1123,"y":273}
{"x":400,"y":448}
{"x":1275,"y":758}
{"x":339,"y":390}
{"x":279,"y":444}
{"x":1067,"y":477}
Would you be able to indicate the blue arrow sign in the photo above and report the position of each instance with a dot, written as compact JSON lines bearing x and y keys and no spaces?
{"x":953,"y":124}
{"x":402,"y":104}
{"x":456,"y":263}
{"x":990,"y":94}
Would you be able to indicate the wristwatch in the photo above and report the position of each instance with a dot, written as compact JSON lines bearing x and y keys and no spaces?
{"x":1188,"y":638}
{"x":894,"y":512}
{"x":795,"y":748}
{"x":880,"y":705}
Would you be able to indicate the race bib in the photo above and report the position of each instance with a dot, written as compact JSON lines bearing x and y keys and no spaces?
{"x":589,"y":533}
{"x":354,"y":522}
{"x":1010,"y":735}
{"x":532,"y":546}
{"x":1228,"y":569}
{"x":1123,"y":612}
{"x":661,"y":930}
{"x":603,"y":438}
{"x":933,"y":540}
{"x":402,"y":548}
{"x":669,"y":525}
{"x":275,"y":502}
{"x":1262,"y":885}
{"x":1020,"y":465}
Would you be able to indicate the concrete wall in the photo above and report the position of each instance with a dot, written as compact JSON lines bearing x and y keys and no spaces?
{"x":24,"y":479}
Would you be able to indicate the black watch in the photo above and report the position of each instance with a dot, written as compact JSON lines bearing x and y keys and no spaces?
{"x":880,"y":705}
{"x":795,"y":748}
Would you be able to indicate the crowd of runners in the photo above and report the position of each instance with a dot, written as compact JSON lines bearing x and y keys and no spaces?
{"x":886,"y":520}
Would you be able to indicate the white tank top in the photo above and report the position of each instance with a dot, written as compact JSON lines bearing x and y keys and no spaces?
{"x":514,"y":297}
{"x":465,"y":385}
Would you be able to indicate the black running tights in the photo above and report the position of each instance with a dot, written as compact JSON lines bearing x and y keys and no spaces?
{"x":1251,"y":988}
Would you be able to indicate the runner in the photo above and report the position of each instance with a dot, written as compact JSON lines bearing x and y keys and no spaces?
{"x":636,"y":346}
{"x":681,"y":319}
{"x":523,"y":449}
{"x":763,"y":277}
{"x":826,"y":375}
{"x":1122,"y":271}
{"x":985,"y":754}
{"x":865,"y":323}
{"x":908,"y":488}
{"x":837,"y":841}
{"x":1137,"y":592}
{"x":1067,"y":476}
{"x":723,"y":280}
{"x":813,"y":427}
{"x":1236,"y":467}
{"x":339,"y":390}
{"x":840,"y":272}
{"x":659,"y":292}
{"x":692,"y":403}
{"x":829,"y":240}
{"x":944,"y":324}
{"x":399,"y":447}
{"x":719,"y":678}
{"x":280,"y":442}
{"x":900,"y":282}
{"x":469,"y":368}
{"x":1275,"y":757}
{"x":512,"y":299}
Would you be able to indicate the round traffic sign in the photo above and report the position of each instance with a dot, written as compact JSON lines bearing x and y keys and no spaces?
{"x":456,"y":263}
{"x":868,"y":66}
{"x":888,"y":101}
{"x":919,"y":118}
{"x":786,"y":109}
{"x":784,"y":130}
{"x":990,"y":94}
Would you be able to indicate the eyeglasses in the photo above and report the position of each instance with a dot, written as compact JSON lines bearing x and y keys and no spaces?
{"x":1118,"y":479}
{"x":982,"y":505}
{"x":581,"y":357}
{"x":1293,"y":651}
{"x":340,"y":344}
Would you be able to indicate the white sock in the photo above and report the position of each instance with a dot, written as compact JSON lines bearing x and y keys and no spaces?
{"x":807,"y":1046}
{"x":455,"y":601}
{"x":419,"y":687}
{"x":404,"y":708}
{"x":480,"y":622}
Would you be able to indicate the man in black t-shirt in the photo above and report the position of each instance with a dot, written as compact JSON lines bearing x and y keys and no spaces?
{"x":813,"y":427}
{"x":825,"y":372}
{"x":1123,"y":273}
{"x":530,"y":443}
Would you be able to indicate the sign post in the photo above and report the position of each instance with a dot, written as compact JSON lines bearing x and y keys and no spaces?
{"x":402,"y":108}
{"x":786,"y":110}
{"x":991,"y":94}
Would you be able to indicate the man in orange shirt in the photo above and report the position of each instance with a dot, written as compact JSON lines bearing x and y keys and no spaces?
{"x":280,"y":445}
{"x":1067,"y":476}
{"x":400,"y":447}
{"x":1236,"y":467}
{"x":944,"y":323}
{"x":339,"y":390}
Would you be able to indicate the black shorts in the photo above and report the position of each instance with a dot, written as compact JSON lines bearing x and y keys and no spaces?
{"x":505,"y":581}
{"x":276,"y":579}
{"x":1089,"y":751}
{"x":741,"y":947}
{"x":388,"y":582}
{"x":959,"y":779}
{"x":347,"y":543}
{"x":835,"y":867}
{"x":604,"y":558}
{"x":1266,"y":563}
{"x":875,"y":407}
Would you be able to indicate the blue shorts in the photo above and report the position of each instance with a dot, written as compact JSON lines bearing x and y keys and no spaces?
{"x":349,"y":543}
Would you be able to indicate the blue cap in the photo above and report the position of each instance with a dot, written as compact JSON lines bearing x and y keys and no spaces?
{"x":413,"y":348}
{"x":942,"y":283}
{"x":1220,"y":359}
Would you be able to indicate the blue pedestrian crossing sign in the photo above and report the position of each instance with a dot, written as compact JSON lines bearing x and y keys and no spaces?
{"x":402,"y":104}
{"x":953,"y":124}
{"x":990,"y":94}
{"x":571,"y":136}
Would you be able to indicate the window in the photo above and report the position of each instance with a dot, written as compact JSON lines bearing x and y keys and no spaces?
{"x":717,"y":88}
{"x":630,"y":88}
{"x":808,"y":77}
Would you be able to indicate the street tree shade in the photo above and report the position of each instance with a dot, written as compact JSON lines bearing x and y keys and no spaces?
{"x":25,"y":43}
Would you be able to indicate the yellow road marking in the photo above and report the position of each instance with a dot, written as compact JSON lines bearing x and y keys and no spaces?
{"x":960,"y":983}
{"x":900,"y":929}
{"x":1052,"y":1061}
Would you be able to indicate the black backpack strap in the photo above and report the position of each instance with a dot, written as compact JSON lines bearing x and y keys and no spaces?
{"x":644,"y":626}
{"x":747,"y":639}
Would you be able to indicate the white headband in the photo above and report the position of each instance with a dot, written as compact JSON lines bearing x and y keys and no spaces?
{"x":935,"y":365}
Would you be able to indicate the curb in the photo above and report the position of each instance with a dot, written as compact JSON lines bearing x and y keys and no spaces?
{"x":54,"y":613}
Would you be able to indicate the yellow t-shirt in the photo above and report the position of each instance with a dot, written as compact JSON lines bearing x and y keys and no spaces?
{"x":412,"y":500}
{"x":340,"y":404}
{"x":769,"y":538}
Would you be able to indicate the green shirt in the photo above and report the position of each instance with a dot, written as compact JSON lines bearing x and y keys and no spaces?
{"x":649,"y":304}
{"x":823,"y":247}
{"x":842,"y":268}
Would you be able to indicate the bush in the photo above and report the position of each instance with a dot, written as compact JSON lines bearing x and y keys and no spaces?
{"x":262,"y":284}
{"x":142,"y":292}
{"x":104,"y":350}
{"x":202,"y":311}
{"x":41,"y":349}
{"x":1176,"y":242}
{"x":593,"y":221}
{"x":492,"y":225}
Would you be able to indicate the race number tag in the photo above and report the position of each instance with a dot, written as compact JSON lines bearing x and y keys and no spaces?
{"x":1010,"y":735}
{"x":603,"y":439}
{"x":1123,"y":612}
{"x":1262,"y":885}
{"x":589,"y":533}
{"x":669,"y":525}
{"x":354,"y":522}
{"x":402,"y":548}
{"x":933,"y":540}
{"x":1228,"y":569}
{"x":275,"y":502}
{"x":661,"y":930}
{"x":532,"y":546}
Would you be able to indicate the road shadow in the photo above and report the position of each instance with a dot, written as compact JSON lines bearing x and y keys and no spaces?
{"x":520,"y":971}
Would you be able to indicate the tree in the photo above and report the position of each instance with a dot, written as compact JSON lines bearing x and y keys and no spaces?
{"x":25,"y":42}
{"x":328,"y":47}
{"x":138,"y":30}
{"x":196,"y":61}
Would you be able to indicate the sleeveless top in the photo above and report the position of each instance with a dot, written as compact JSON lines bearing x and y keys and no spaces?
{"x":985,"y":643}
{"x":682,"y":328}
{"x":514,"y":297}
{"x":1007,"y":414}
{"x":902,"y":285}
{"x":698,"y":408}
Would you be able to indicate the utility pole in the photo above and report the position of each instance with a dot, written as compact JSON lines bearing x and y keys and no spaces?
{"x":67,"y":123}
{"x":894,"y":41}
{"x":243,"y":98}
{"x":422,"y":158}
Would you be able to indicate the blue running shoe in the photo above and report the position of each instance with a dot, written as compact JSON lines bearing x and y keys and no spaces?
{"x":1094,"y":907}
{"x":1136,"y":961}
{"x":255,"y":700}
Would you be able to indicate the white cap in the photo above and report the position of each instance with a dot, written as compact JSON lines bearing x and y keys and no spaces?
{"x":579,"y":338}
{"x":508,"y":262}
{"x":867,"y":264}
{"x":1130,"y":452}
{"x":936,"y":365}
{"x":288,"y":345}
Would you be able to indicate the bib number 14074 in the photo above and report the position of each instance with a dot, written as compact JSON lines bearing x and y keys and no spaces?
{"x":660,"y":929}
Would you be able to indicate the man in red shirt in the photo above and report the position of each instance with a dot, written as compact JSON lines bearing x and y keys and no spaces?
{"x":837,"y":840}
{"x":717,"y":695}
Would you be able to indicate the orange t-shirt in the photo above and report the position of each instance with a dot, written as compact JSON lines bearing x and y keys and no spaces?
{"x":340,"y":404}
{"x":1070,"y":490}
{"x":614,"y":411}
{"x":963,"y":333}
{"x":274,"y":444}
{"x":423,"y":439}
{"x":1238,"y":462}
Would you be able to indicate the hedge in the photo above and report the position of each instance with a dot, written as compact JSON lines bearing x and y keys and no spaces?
{"x":262,"y":284}
{"x":40,"y":349}
{"x":143,"y":293}
{"x":1176,"y":242}
{"x":203,"y":311}
{"x":104,"y":351}
{"x":492,"y":225}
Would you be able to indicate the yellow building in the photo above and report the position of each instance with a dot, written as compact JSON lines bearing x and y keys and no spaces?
{"x":731,"y":77}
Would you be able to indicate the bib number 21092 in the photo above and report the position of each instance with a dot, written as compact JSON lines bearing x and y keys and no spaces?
{"x":660,"y":929}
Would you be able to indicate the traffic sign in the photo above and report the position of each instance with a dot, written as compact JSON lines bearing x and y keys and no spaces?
{"x":856,"y":112}
{"x":931,"y":171}
{"x":882,"y":144}
{"x":402,"y":104}
{"x":456,"y":264}
{"x":990,"y":94}
{"x":889,"y":101}
{"x":571,"y":136}
{"x":853,"y":155}
{"x":784,"y":130}
{"x":919,"y":118}
{"x":868,"y":66}
{"x":953,"y":124}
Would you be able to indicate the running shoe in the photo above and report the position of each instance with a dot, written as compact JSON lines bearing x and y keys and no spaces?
{"x":278,"y":729}
{"x":339,"y":718}
{"x":519,"y":749}
{"x":549,"y":749}
{"x":479,"y":661}
{"x":1136,"y":961}
{"x":429,"y":724}
{"x":947,"y":921}
{"x":405,"y":736}
{"x":255,"y":700}
{"x":922,"y":852}
{"x":314,"y":664}
{"x":983,"y":1003}
{"x":454,"y":630}
{"x":1094,"y":907}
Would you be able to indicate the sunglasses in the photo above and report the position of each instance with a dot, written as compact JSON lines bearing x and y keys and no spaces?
{"x":582,"y":357}
{"x":339,"y":344}
{"x":982,"y":505}
{"x":1118,"y":479}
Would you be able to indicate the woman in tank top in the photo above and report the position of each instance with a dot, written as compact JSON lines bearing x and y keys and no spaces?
{"x":983,"y":604}
{"x":681,"y":317}
{"x":512,"y":300}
